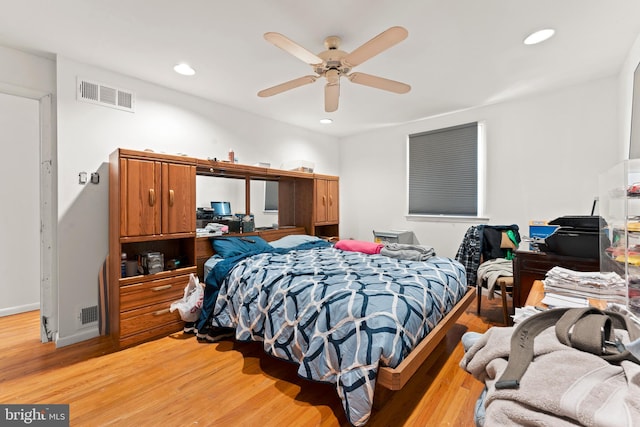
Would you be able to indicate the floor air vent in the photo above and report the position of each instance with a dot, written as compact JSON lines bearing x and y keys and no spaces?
{"x":88,"y":316}
{"x":106,"y":95}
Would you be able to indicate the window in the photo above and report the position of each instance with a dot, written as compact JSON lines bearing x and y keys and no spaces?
{"x":443,"y":171}
{"x":271,"y":196}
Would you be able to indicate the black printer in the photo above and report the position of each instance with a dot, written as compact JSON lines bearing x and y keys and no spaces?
{"x":577,"y":236}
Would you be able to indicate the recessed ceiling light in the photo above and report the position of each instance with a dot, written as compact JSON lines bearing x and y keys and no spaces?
{"x":539,"y":36}
{"x":326,"y":121}
{"x":184,"y":69}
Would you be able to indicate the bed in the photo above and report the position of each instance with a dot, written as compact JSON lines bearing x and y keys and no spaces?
{"x":348,"y":318}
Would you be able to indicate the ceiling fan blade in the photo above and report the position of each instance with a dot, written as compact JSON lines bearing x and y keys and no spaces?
{"x":291,"y":84}
{"x":293,"y":48}
{"x":331,"y":95}
{"x":379,"y":43}
{"x":379,"y":82}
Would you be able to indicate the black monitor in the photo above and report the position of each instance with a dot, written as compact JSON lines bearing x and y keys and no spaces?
{"x":221,"y":208}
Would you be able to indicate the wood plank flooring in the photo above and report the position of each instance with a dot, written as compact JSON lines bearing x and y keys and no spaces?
{"x":177,"y":381}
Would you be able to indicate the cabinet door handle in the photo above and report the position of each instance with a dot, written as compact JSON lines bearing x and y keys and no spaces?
{"x":324,"y":200}
{"x":161,"y":288}
{"x":171,"y":197}
{"x":330,"y":200}
{"x":161,"y":312}
{"x":152,"y":197}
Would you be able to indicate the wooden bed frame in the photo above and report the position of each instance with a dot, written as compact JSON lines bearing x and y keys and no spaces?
{"x":388,"y":378}
{"x":396,"y":378}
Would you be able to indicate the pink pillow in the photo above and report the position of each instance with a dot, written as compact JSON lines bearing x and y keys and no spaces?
{"x":359,"y":246}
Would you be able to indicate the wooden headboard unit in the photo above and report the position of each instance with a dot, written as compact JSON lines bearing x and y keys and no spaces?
{"x":204,"y":250}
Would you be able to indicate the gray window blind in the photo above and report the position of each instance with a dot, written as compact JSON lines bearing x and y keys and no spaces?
{"x":443,"y":171}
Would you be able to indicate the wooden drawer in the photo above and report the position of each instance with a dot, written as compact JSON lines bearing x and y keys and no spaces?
{"x":147,"y":318}
{"x":149,"y":293}
{"x":149,"y":334}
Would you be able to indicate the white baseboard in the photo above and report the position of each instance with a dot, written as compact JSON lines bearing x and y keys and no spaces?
{"x":79,"y":336}
{"x":19,"y":309}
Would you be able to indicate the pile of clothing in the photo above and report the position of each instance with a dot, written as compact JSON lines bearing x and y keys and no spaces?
{"x":407,"y":251}
{"x":558,"y":381}
{"x":493,"y":269}
{"x":392,"y":250}
{"x":482,"y":243}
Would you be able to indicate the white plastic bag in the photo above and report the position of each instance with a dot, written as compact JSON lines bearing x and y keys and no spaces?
{"x":191,"y":303}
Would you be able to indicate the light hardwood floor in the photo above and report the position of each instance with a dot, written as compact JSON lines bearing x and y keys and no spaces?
{"x":177,"y":381}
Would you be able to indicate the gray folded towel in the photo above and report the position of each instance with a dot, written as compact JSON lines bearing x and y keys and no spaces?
{"x":407,"y":251}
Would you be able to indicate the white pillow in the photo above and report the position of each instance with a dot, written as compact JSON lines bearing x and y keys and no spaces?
{"x":293,"y":240}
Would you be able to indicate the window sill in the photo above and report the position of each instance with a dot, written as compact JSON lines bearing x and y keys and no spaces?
{"x":447,"y":218}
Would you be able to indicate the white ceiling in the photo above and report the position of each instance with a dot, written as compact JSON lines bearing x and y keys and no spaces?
{"x":459,"y":53}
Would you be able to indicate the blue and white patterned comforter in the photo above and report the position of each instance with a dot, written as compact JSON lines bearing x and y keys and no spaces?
{"x":337,"y":314}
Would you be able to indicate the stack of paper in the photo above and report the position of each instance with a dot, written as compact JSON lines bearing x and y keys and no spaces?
{"x":557,"y":300}
{"x":572,"y":288}
{"x":212,"y":229}
{"x":525,"y":312}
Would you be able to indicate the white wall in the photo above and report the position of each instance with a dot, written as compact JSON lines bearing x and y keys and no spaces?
{"x":26,"y":72}
{"x":544,"y":154}
{"x":164,"y":121}
{"x":33,"y":77}
{"x":19,"y":225}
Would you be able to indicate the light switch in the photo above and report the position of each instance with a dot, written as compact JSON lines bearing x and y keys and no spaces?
{"x":95,"y":178}
{"x":82,"y":178}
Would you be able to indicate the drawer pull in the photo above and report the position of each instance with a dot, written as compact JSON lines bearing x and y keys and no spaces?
{"x":152,"y":197}
{"x":171,"y":197}
{"x":161,"y":288}
{"x":161,"y":312}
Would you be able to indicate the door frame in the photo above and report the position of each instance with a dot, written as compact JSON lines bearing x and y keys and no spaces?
{"x":48,"y":208}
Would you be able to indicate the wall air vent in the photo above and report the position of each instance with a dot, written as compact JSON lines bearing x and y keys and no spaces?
{"x":88,"y":316}
{"x":105,"y":95}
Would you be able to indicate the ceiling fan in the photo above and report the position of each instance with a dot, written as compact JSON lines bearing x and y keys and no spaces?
{"x":334,"y":63}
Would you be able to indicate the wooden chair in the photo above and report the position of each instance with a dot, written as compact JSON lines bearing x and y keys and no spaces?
{"x":504,"y":284}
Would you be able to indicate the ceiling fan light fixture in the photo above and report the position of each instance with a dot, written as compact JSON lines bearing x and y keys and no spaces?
{"x":184,"y":69}
{"x":332,"y":76}
{"x":539,"y":36}
{"x":334,"y":63}
{"x":326,"y":121}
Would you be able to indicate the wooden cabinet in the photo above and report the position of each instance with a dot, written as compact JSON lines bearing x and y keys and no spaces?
{"x":304,"y":199}
{"x":179,"y":198}
{"x":151,"y":209}
{"x":140,"y":213}
{"x":326,"y":201}
{"x":326,"y":212}
{"x":156,"y":197}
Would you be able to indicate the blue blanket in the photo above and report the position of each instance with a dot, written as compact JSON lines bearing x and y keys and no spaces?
{"x":337,"y":314}
{"x":221,"y":269}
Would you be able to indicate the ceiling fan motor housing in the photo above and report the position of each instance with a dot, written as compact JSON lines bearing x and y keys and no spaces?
{"x":332,"y":60}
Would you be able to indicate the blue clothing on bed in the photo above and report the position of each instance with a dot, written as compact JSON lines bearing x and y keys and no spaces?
{"x":216,"y":275}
